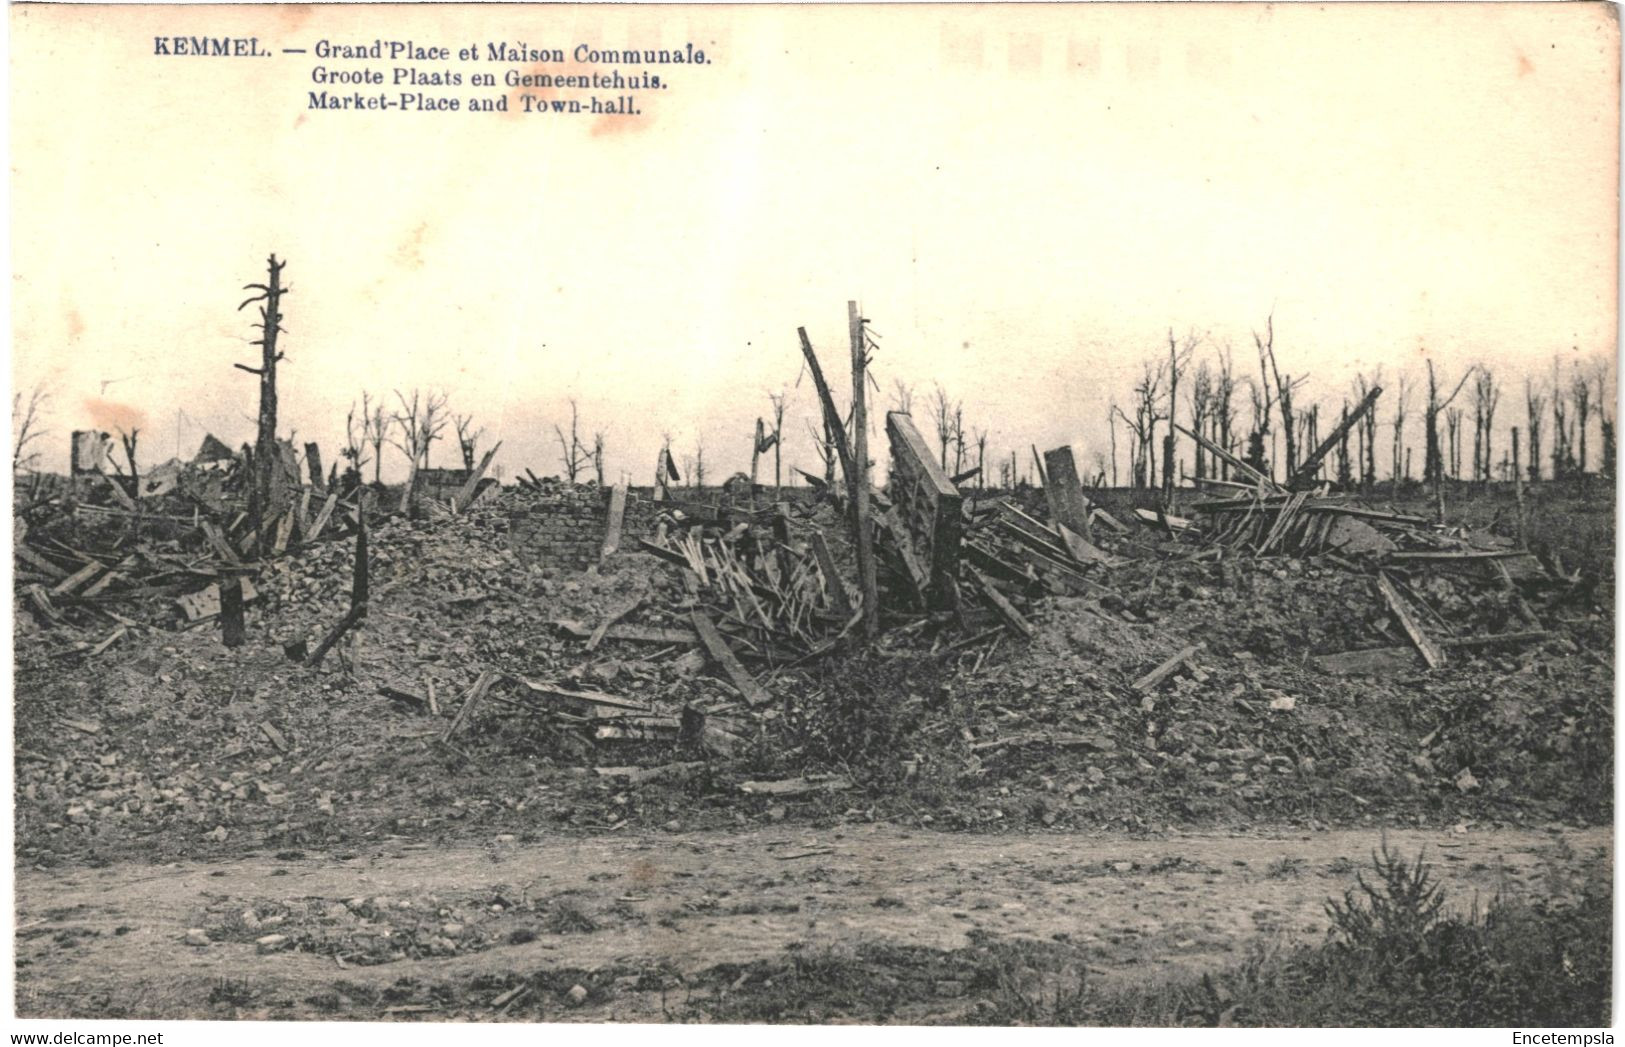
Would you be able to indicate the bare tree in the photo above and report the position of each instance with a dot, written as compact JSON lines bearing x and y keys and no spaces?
{"x":468,"y":439}
{"x":959,"y":439}
{"x":777,"y":400}
{"x":699,"y":464}
{"x":1261,"y":398}
{"x":598,"y":455}
{"x":1433,"y":456}
{"x":1599,"y":374}
{"x":943,"y":411}
{"x":375,"y":431}
{"x":1453,"y":441}
{"x":1201,"y":398}
{"x":1368,"y":430}
{"x":420,"y":422}
{"x":1285,"y":385}
{"x":1147,"y":398}
{"x":1224,"y":391}
{"x":26,"y":427}
{"x":1562,"y":438}
{"x":270,"y":325}
{"x":902,"y":396}
{"x":355,"y":440}
{"x":1535,"y":406}
{"x":1486,"y":397}
{"x":1345,"y":472}
{"x":128,"y":439}
{"x":1179,"y":356}
{"x":573,"y":454}
{"x":1580,"y":395}
{"x":981,"y":458}
{"x":1112,"y":411}
{"x":1402,"y":408}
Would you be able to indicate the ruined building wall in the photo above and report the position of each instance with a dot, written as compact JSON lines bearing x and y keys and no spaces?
{"x":564,"y":527}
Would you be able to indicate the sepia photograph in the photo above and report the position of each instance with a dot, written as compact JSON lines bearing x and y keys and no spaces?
{"x":980,"y":515}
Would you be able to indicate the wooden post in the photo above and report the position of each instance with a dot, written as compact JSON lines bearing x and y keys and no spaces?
{"x":859,"y":480}
{"x":1517,"y":488}
{"x":755,"y":456}
{"x":231,"y":610}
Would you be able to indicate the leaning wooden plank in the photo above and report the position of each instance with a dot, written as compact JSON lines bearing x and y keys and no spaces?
{"x":1235,"y":463}
{"x":1432,"y":653}
{"x":351,"y":618}
{"x":723,"y":655}
{"x":1306,"y":472}
{"x":671,"y":556}
{"x":834,"y":588}
{"x":113,"y":638}
{"x":1006,"y":610}
{"x":1151,"y":679}
{"x":1525,"y":612}
{"x":475,"y":693}
{"x":34,"y":559}
{"x":617,"y":518}
{"x":322,"y":517}
{"x":121,"y":494}
{"x":465,"y":494}
{"x":114,"y":575}
{"x":76,"y":579}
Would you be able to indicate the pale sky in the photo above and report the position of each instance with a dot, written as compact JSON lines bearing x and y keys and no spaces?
{"x":1024,"y":200}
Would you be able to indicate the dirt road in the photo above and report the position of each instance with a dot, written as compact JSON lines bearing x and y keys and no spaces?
{"x":114,"y":941}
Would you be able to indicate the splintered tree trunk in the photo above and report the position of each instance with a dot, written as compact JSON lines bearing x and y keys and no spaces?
{"x":1517,"y":488}
{"x":860,"y":477}
{"x":265,"y":456}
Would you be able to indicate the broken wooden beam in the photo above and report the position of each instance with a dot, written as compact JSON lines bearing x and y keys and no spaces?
{"x":1235,"y":463}
{"x":834,"y":588}
{"x":1431,"y":652}
{"x":1004,"y":607}
{"x":465,"y":494}
{"x":1150,"y":680}
{"x":723,"y":655}
{"x":1306,"y":471}
{"x":475,"y":693}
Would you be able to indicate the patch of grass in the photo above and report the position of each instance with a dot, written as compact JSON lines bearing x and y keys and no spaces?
{"x":1395,"y":956}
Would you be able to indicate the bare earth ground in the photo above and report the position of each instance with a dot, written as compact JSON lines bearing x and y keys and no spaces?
{"x":651,"y":923}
